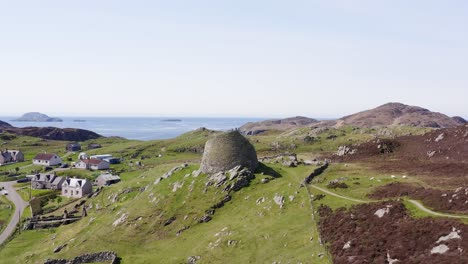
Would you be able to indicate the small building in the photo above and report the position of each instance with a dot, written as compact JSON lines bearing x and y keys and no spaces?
{"x":76,"y":188}
{"x":46,"y":181}
{"x":107,"y":179}
{"x":101,"y":157}
{"x":5,"y":157}
{"x":82,"y":156}
{"x":72,"y":147}
{"x":92,"y":164}
{"x":9,"y":156}
{"x":112,"y":160}
{"x":47,"y":159}
{"x":94,"y":146}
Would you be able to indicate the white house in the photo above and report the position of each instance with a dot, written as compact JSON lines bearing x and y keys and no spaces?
{"x":76,"y":188}
{"x":47,"y":159}
{"x":92,"y":164}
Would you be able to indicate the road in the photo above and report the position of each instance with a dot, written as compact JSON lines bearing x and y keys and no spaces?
{"x":20,"y":205}
{"x":429,"y":211}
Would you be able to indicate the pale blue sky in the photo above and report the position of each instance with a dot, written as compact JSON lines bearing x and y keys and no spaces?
{"x":232,"y":58}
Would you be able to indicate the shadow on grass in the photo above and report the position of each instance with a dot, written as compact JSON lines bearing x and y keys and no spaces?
{"x":267,"y":171}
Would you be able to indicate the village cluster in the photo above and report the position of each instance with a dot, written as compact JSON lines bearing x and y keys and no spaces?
{"x":69,"y":186}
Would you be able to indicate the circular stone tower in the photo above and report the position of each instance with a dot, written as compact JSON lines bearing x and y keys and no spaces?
{"x":226,"y":151}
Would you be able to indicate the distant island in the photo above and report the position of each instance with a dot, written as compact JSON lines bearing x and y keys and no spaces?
{"x":172,"y":120}
{"x":79,"y":120}
{"x":37,"y":117}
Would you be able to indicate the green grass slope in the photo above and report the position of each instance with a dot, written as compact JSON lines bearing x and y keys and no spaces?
{"x":240,"y":232}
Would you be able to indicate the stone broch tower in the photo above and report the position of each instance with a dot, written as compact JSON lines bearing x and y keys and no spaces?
{"x":226,"y":151}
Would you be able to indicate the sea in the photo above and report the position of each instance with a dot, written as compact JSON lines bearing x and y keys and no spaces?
{"x":140,"y":128}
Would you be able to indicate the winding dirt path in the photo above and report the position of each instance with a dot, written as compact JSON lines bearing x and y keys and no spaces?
{"x":421,"y":207}
{"x":20,"y":205}
{"x":337,"y":195}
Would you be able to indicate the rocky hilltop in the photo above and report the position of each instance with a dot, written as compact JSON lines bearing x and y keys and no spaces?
{"x":439,"y":152}
{"x":50,"y":133}
{"x":254,"y":128}
{"x":54,"y":133}
{"x":37,"y":117}
{"x":394,"y":114}
{"x":390,"y":114}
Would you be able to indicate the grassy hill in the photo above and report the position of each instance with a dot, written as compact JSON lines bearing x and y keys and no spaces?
{"x":144,"y":222}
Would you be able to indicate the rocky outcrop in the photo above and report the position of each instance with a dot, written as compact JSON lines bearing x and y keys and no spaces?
{"x":54,"y":133}
{"x":232,"y":180}
{"x":255,"y":128}
{"x":459,"y":120}
{"x":345,"y":150}
{"x":226,"y":151}
{"x":104,"y":257}
{"x":287,"y":160}
{"x":37,"y":117}
{"x":172,"y":171}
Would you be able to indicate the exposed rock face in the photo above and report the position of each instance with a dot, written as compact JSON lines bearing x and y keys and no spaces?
{"x":254,"y":128}
{"x":37,"y":117}
{"x":232,"y":180}
{"x":226,"y":151}
{"x":345,"y":150}
{"x":53,"y":133}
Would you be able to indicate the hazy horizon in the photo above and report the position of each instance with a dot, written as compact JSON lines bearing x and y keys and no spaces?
{"x":319,"y":59}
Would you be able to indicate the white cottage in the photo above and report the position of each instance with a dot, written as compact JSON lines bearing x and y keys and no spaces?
{"x":76,"y":188}
{"x":92,"y":164}
{"x":47,"y":159}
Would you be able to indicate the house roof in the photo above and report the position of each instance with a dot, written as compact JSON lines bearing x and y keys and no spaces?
{"x":43,"y":177}
{"x":74,"y":182}
{"x":57,"y":180}
{"x":92,"y":161}
{"x":45,"y":156}
{"x":108,"y":177}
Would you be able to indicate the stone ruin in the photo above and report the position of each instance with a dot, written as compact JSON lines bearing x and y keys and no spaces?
{"x":226,"y":151}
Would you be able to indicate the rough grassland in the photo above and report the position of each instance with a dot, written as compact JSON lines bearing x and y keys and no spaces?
{"x":142,"y":238}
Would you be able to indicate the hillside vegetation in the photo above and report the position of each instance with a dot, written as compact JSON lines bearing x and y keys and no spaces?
{"x":274,"y":219}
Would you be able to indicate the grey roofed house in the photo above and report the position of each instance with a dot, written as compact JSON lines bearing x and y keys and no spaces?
{"x":94,"y":146}
{"x":107,"y":179}
{"x":47,"y":181}
{"x":5,"y":157}
{"x":8,"y":156}
{"x":73,"y":147}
